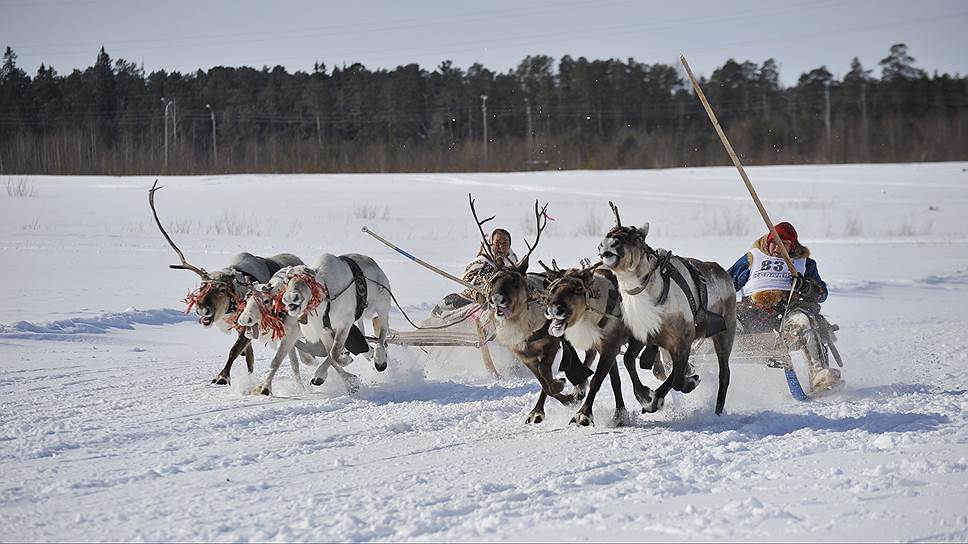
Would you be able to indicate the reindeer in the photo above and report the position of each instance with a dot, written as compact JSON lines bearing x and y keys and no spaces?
{"x":584,"y":307}
{"x":221,"y":295}
{"x":264,"y":314}
{"x":669,"y":316}
{"x":516,"y":300}
{"x":319,"y":299}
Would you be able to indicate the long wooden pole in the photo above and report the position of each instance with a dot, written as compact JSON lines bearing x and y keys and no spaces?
{"x":422,"y":263}
{"x":739,"y":166}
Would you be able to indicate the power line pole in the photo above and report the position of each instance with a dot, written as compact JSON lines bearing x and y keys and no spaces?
{"x":484,"y":115}
{"x":174,"y":123}
{"x":527,"y":111}
{"x":826,"y":119}
{"x":214,"y":142}
{"x":863,"y":117}
{"x":167,"y":104}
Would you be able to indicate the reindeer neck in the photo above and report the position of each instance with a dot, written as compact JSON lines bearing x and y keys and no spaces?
{"x":517,"y":329}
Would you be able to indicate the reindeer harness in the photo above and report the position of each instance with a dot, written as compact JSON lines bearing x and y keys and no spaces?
{"x":703,"y":319}
{"x":359,"y":280}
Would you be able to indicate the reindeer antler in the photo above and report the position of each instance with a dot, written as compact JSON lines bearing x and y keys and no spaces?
{"x":618,"y":220}
{"x":480,"y":226}
{"x":184,"y":264}
{"x":553,"y":269}
{"x":541,"y":221}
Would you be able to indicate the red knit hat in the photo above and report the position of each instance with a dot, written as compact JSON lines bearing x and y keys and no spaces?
{"x":786,"y":232}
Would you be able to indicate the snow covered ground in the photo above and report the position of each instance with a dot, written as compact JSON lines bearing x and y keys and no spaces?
{"x":111,"y":431}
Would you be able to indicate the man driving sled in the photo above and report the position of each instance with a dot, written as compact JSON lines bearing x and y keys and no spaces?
{"x":764,"y":280}
{"x":479,"y":270}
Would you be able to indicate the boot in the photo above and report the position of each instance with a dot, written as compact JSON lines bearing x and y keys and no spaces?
{"x":822,"y":379}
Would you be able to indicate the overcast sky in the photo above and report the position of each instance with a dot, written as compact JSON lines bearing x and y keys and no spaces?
{"x":188,"y":35}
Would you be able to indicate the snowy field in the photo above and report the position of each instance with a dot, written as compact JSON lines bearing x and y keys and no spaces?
{"x":111,"y":431}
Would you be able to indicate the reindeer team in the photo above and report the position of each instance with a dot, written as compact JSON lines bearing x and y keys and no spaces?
{"x":634,"y":297}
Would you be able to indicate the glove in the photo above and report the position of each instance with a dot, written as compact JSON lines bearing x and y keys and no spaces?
{"x":807,"y":289}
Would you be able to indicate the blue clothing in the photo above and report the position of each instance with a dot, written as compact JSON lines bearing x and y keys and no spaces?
{"x":740,"y":272}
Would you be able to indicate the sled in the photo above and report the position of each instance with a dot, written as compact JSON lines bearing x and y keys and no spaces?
{"x":456,"y":334}
{"x":770,"y":349}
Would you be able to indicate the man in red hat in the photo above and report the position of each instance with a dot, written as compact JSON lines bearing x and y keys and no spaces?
{"x":764,"y":280}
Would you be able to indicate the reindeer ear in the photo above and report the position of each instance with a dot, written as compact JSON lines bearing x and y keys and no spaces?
{"x":645,"y":229}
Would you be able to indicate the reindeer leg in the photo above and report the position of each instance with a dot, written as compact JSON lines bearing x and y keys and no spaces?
{"x":680,"y":363}
{"x":286,"y":345}
{"x":537,"y":414}
{"x":249,"y":357}
{"x":380,"y":352}
{"x":241,"y":344}
{"x":606,"y":364}
{"x":642,"y":393}
{"x":294,"y":363}
{"x":335,"y":352}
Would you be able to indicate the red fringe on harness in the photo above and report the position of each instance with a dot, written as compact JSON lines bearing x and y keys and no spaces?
{"x":269,"y":321}
{"x":195,"y":296}
{"x":319,"y":291}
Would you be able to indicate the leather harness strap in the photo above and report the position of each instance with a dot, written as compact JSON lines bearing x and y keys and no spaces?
{"x":360,"y":282}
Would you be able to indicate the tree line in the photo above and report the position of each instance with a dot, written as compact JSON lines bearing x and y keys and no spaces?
{"x":112,"y":118}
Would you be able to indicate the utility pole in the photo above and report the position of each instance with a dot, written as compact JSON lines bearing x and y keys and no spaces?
{"x":484,"y":115}
{"x":826,"y":120}
{"x":174,"y":123}
{"x":863,"y":116}
{"x":214,"y":141}
{"x":527,"y":111}
{"x":167,"y":104}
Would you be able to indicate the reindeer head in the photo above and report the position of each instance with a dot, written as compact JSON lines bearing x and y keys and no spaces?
{"x":302,"y":292}
{"x":261,"y":313}
{"x":218,"y":297}
{"x":568,"y":299}
{"x":624,"y":247}
{"x":507,"y":290}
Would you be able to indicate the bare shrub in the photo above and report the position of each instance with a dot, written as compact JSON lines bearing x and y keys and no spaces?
{"x":33,"y":225}
{"x":180,"y":226}
{"x":21,"y":187}
{"x":910,"y":229}
{"x":370,"y":212}
{"x":853,"y":227}
{"x":527,"y":224}
{"x":235,"y":225}
{"x":728,"y":223}
{"x":592,"y":224}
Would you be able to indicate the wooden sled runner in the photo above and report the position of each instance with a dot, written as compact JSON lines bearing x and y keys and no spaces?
{"x":771,"y":349}
{"x":447,"y":338}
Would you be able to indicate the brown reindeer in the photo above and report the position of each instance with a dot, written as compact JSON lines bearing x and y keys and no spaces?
{"x":672,"y":302}
{"x":584,"y":307}
{"x":516,"y":305}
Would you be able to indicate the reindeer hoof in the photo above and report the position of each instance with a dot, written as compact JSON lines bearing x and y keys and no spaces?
{"x":220,"y":380}
{"x":261,"y":390}
{"x":653,"y":406}
{"x":380,"y":367}
{"x":690,"y":383}
{"x":316,"y":381}
{"x":644,"y":395}
{"x":621,"y":418}
{"x":352,"y":385}
{"x":535,"y":417}
{"x":582,"y":420}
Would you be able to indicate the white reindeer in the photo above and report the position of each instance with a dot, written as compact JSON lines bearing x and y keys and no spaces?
{"x":262,"y":316}
{"x":331,"y":297}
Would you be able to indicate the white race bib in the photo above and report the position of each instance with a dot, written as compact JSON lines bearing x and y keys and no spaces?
{"x":768,"y":273}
